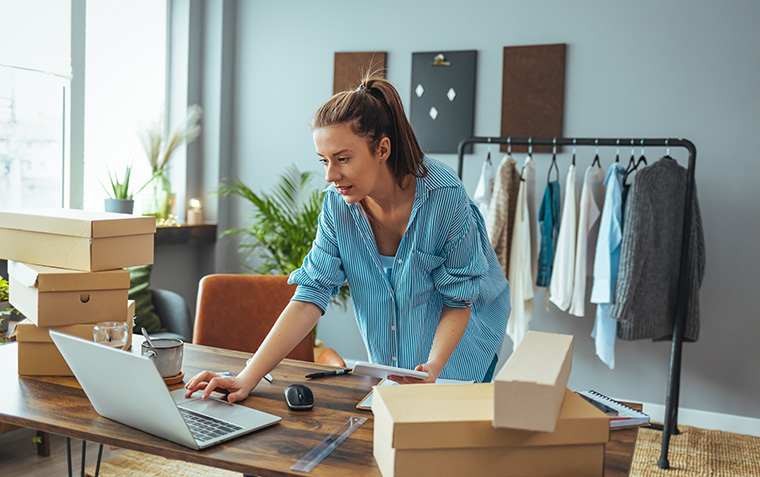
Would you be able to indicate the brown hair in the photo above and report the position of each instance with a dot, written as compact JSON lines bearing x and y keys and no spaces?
{"x":373,"y":111}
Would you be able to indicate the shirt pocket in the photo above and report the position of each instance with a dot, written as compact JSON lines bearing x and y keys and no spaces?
{"x":423,"y":286}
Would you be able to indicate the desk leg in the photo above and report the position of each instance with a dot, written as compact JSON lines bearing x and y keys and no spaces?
{"x":43,"y":446}
{"x":84,"y":461}
{"x":68,"y":454}
{"x":100,"y":456}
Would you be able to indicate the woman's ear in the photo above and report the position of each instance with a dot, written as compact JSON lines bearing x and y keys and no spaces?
{"x":384,"y":149}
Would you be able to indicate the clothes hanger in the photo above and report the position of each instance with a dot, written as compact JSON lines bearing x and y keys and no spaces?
{"x":488,"y":156}
{"x":596,"y":160}
{"x":509,"y":152}
{"x":554,"y":160}
{"x":617,"y":151}
{"x":634,"y":166}
{"x":555,"y":148}
{"x":642,"y":158}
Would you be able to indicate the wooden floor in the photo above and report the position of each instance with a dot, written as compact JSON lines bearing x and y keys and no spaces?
{"x":18,"y":455}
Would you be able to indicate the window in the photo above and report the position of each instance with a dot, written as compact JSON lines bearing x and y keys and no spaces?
{"x":34,"y":77}
{"x":124,"y":90}
{"x":31,"y":139}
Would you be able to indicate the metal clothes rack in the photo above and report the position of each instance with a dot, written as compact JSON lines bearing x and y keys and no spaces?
{"x":670,"y":423}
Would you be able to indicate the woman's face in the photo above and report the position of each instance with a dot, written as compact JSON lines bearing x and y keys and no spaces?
{"x":354,"y":170}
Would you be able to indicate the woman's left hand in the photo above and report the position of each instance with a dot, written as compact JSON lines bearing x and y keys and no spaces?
{"x":430,"y":368}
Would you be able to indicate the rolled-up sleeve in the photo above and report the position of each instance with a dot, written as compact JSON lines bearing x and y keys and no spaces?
{"x":458,"y":277}
{"x":322,"y":273}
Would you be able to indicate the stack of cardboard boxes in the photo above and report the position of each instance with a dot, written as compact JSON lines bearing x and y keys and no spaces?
{"x":525,"y":423}
{"x":66,"y":273}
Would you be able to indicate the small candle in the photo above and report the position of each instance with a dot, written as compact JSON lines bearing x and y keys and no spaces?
{"x":195,"y":212}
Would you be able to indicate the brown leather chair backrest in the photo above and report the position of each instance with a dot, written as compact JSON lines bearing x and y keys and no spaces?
{"x":237,"y":311}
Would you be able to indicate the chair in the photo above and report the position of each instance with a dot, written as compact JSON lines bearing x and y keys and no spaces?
{"x":237,"y":311}
{"x":174,"y":314}
{"x":330,"y":357}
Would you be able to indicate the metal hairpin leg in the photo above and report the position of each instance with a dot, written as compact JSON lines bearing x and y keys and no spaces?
{"x":68,"y":453}
{"x":100,"y":455}
{"x":84,"y":455}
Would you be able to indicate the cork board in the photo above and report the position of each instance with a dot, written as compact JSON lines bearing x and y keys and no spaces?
{"x":533,"y":93}
{"x":351,"y":67}
{"x":442,"y":106}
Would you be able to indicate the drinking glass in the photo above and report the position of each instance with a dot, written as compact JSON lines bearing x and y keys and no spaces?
{"x":112,"y":333}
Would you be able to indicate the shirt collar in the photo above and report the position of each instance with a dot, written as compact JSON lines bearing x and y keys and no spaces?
{"x":439,"y":175}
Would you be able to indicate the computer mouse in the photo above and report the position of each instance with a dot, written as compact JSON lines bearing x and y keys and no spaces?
{"x":299,"y":397}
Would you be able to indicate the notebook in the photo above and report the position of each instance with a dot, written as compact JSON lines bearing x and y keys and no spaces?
{"x":626,"y":415}
{"x":127,"y":388}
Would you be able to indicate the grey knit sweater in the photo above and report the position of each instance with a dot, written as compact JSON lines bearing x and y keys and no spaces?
{"x":647,"y":287}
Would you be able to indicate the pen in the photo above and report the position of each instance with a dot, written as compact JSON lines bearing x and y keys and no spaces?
{"x":322,"y":374}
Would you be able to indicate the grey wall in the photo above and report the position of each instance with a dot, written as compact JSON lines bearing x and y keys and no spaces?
{"x":649,"y":68}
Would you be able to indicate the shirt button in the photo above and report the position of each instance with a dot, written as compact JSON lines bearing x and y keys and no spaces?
{"x":399,"y":261}
{"x":393,"y":358}
{"x":393,"y":327}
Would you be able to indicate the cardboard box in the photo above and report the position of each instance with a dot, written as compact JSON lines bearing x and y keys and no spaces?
{"x":38,"y":355}
{"x":530,"y":387}
{"x":446,"y":430}
{"x":55,"y":296}
{"x":77,"y":239}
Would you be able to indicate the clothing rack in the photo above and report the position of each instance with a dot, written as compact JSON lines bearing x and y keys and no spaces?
{"x":670,"y":424}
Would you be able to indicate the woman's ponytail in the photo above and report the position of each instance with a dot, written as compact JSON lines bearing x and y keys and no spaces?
{"x":373,"y":111}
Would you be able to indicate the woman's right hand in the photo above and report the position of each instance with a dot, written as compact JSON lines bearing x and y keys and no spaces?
{"x":208,"y":382}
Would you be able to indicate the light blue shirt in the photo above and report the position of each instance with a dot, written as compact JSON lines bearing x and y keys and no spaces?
{"x":444,"y":258}
{"x":606,"y":264}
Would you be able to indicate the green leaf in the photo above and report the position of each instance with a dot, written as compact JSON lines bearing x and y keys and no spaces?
{"x":283,"y":223}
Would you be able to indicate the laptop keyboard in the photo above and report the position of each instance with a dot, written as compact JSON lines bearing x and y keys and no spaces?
{"x":204,"y":428}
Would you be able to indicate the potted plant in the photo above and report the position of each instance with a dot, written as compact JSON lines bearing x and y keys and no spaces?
{"x":283,"y":224}
{"x":6,"y":310}
{"x":159,"y":150}
{"x":120,"y":198}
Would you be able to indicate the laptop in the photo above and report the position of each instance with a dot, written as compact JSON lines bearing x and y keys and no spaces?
{"x":127,"y":388}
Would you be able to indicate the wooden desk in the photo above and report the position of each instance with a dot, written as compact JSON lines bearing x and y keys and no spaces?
{"x":58,"y":405}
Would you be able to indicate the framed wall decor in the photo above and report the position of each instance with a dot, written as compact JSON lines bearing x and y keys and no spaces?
{"x":351,"y":67}
{"x":533,"y":92}
{"x":442,"y":107}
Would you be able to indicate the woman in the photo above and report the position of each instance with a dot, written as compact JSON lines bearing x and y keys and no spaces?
{"x":427,"y":289}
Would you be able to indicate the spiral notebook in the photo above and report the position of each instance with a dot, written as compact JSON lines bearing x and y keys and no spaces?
{"x":626,"y":415}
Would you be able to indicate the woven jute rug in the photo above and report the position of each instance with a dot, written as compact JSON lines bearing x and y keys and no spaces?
{"x":136,"y":464}
{"x":697,"y":452}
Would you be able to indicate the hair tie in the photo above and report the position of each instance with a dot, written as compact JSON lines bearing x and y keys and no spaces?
{"x":362,"y":87}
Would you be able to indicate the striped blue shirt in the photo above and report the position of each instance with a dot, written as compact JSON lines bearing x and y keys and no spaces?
{"x":444,"y":258}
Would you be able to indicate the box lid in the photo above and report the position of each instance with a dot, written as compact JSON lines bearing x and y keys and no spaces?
{"x":523,"y":366}
{"x":27,"y":332}
{"x":426,"y":416}
{"x":49,"y":279}
{"x":77,"y":223}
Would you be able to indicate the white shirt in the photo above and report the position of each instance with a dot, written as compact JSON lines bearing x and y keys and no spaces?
{"x":483,"y":191}
{"x":563,"y":271}
{"x":520,"y":270}
{"x":592,"y":199}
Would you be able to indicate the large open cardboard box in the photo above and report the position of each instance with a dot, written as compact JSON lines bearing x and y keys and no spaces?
{"x":529,"y":389}
{"x":77,"y":239}
{"x":56,"y":296}
{"x":447,"y":430}
{"x":38,"y":355}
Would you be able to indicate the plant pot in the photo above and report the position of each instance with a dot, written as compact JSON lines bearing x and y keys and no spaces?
{"x":120,"y":206}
